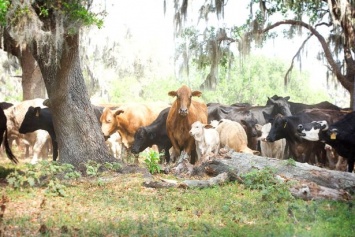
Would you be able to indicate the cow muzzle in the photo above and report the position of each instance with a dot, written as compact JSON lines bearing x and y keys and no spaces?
{"x":183,"y":112}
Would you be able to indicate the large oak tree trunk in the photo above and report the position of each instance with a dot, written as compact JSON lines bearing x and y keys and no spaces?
{"x":77,"y":129}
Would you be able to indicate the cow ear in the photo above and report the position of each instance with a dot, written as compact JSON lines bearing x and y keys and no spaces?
{"x":287,"y":98}
{"x":208,"y":126}
{"x":172,"y":93}
{"x":118,"y":112}
{"x":196,"y":93}
{"x":37,"y":111}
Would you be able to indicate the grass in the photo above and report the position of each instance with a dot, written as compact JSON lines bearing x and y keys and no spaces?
{"x":113,"y":204}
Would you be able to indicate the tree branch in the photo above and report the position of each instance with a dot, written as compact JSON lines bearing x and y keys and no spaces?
{"x":335,"y":68}
{"x":294,"y":57}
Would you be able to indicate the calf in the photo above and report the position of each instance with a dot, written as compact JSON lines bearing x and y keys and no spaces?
{"x":232,"y":135}
{"x":114,"y":143}
{"x":270,"y":149}
{"x":40,"y":118}
{"x":206,"y":140}
{"x":340,"y":135}
{"x":155,"y":133}
{"x":183,"y":113}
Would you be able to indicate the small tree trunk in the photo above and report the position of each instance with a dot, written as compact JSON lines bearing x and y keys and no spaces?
{"x":77,"y":129}
{"x":32,"y":81}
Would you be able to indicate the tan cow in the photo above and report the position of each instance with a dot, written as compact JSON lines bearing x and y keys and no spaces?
{"x":182,"y":114}
{"x":233,"y":135}
{"x":128,"y":118}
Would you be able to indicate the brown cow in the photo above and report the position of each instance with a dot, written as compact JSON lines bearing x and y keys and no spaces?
{"x":183,"y":113}
{"x":128,"y":118}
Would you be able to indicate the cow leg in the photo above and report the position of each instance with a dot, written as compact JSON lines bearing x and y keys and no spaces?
{"x":55,"y":150}
{"x":350,"y":164}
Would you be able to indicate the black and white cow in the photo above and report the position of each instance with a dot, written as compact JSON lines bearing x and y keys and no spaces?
{"x":302,"y":150}
{"x":340,"y":135}
{"x":3,"y":130}
{"x":40,"y":118}
{"x":153,"y":134}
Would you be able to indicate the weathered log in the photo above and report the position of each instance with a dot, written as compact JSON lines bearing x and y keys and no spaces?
{"x":312,"y":182}
{"x":164,"y":183}
{"x":240,"y":164}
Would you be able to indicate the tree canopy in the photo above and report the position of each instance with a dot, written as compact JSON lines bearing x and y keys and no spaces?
{"x":330,"y":22}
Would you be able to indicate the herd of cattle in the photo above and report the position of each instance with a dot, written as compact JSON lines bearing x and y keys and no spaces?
{"x":190,"y":130}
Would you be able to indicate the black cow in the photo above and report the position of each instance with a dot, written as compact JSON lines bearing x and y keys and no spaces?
{"x":286,"y":127}
{"x":298,"y":107}
{"x":40,"y":118}
{"x":340,"y":135}
{"x":3,"y":129}
{"x":155,"y":133}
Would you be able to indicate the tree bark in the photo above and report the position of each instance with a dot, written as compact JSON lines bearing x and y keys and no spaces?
{"x":32,"y":81}
{"x":77,"y":129}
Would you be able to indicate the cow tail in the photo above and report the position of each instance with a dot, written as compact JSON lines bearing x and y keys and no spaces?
{"x":9,"y":153}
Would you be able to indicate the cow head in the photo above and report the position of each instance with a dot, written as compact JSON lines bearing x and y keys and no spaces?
{"x":183,"y":99}
{"x":311,"y":131}
{"x":143,"y":138}
{"x":263,"y":131}
{"x":279,"y":129}
{"x":196,"y":130}
{"x":109,"y":122}
{"x":281,"y":105}
{"x":31,"y":120}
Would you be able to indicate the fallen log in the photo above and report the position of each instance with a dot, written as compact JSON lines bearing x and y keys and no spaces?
{"x":311,"y":182}
{"x":240,"y":164}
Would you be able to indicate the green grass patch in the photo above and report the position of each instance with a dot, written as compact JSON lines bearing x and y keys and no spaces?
{"x":112,"y":204}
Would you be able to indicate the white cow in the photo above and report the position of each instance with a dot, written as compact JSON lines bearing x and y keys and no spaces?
{"x":114,"y":143}
{"x":206,"y":140}
{"x":274,"y":149}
